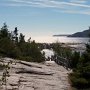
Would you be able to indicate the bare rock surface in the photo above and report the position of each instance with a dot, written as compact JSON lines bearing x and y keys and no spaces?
{"x":36,"y":76}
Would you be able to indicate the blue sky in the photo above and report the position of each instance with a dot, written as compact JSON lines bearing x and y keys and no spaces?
{"x":45,"y":17}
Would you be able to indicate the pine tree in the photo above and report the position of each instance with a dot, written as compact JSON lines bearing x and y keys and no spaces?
{"x":4,"y":33}
{"x":81,"y":73}
{"x":21,"y":38}
{"x":16,"y":35}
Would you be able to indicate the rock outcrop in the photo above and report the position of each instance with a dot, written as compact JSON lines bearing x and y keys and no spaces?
{"x":36,"y":76}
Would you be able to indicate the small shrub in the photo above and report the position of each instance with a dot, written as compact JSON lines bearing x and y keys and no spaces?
{"x":79,"y":82}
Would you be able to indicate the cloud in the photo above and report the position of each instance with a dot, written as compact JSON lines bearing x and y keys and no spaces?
{"x":85,"y":12}
{"x":79,"y":1}
{"x":71,"y":6}
{"x":77,"y":12}
{"x":51,"y":3}
{"x":46,"y":3}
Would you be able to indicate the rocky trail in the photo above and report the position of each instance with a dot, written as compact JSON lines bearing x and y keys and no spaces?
{"x":35,"y":76}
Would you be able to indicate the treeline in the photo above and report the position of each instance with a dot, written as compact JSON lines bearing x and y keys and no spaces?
{"x":80,"y":77}
{"x":13,"y":44}
{"x":80,"y":65}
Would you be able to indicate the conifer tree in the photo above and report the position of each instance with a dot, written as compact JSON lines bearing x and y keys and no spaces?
{"x":16,"y":35}
{"x":4,"y":31}
{"x":21,"y":38}
{"x":81,"y":73}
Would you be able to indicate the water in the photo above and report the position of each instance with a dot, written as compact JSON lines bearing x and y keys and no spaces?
{"x":51,"y":39}
{"x":77,"y":44}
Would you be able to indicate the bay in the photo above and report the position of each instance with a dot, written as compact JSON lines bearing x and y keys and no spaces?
{"x":51,"y":39}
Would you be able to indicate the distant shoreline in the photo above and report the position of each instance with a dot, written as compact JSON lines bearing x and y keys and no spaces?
{"x":61,"y":35}
{"x":68,"y":36}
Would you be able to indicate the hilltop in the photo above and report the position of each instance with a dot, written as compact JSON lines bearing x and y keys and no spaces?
{"x":84,"y":33}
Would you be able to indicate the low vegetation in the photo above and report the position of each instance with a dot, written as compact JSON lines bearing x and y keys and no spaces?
{"x":80,"y":77}
{"x":80,"y":65}
{"x":13,"y":44}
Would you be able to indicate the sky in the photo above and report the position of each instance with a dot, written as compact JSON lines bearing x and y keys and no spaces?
{"x":45,"y":17}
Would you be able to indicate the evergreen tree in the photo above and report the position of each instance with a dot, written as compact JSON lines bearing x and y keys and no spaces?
{"x":81,"y":73}
{"x":10,"y":46}
{"x":61,"y":51}
{"x":21,"y":38}
{"x":74,"y":59}
{"x":16,"y":35}
{"x":4,"y":31}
